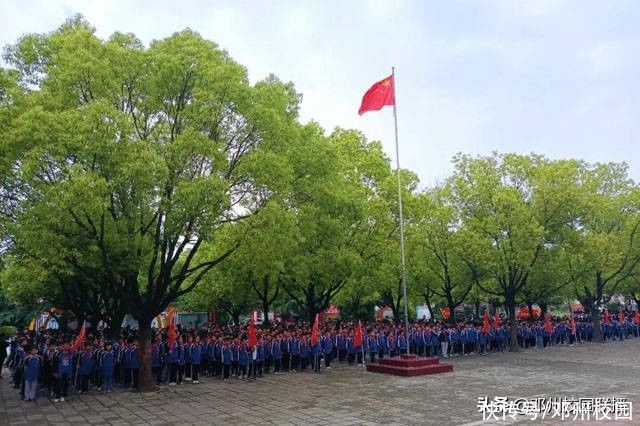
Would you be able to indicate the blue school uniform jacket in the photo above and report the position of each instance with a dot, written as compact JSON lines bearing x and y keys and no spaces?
{"x":196,"y":353}
{"x":65,"y":360}
{"x":226,"y":354}
{"x":276,"y":350}
{"x":32,"y":367}
{"x":107,"y":361}
{"x":86,"y":363}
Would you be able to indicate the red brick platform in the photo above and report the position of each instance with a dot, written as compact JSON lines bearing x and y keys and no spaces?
{"x":409,"y":366}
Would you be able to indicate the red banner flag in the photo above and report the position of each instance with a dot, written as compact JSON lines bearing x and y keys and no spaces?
{"x":572,"y":325}
{"x":315,"y":333}
{"x":357,"y":341}
{"x":607,"y":319}
{"x":620,"y":316}
{"x":636,"y":317}
{"x":80,"y":338}
{"x":547,"y":325}
{"x":172,"y":335}
{"x":496,"y":320}
{"x":446,"y":312}
{"x":253,"y":340}
{"x":486,"y":326}
{"x":380,"y":94}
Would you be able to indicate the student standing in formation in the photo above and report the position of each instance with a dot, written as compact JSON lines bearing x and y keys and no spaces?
{"x":107,"y":364}
{"x":196,"y":358}
{"x":63,"y":364}
{"x":85,"y":362}
{"x":227,"y":357}
{"x":32,"y":363}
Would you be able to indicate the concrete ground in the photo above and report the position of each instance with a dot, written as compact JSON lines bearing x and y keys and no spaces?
{"x":348,"y":395}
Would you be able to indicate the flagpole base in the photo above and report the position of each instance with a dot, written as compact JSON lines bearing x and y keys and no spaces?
{"x":409,"y":366}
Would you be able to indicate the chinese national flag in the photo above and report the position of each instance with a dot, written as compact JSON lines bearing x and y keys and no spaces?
{"x":496,"y":320}
{"x":486,"y":326}
{"x":80,"y":339}
{"x":620,"y":316}
{"x":315,"y":332}
{"x":357,"y":341}
{"x":380,"y":94}
{"x":253,"y":340}
{"x":636,"y":317}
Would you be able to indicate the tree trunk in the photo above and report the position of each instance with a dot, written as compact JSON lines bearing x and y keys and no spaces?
{"x":146,"y":382}
{"x":235,"y":316}
{"x":510,"y":304}
{"x":265,"y":311}
{"x":595,"y":319}
{"x":452,"y":313}
{"x":544,"y":307}
{"x":115,"y":324}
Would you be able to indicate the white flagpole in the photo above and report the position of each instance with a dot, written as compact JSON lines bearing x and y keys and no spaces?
{"x":401,"y":219}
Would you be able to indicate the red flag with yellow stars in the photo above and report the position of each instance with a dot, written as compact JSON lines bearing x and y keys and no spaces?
{"x":380,"y":94}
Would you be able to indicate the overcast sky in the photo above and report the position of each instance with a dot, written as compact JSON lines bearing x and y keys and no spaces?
{"x":555,"y":77}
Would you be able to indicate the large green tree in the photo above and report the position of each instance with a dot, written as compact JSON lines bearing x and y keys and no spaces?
{"x":513,"y":208}
{"x":142,"y":153}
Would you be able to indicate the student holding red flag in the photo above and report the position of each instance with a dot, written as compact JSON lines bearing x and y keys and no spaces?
{"x":548,"y":330}
{"x":358,"y":343}
{"x":316,"y":348}
{"x":572,"y":329}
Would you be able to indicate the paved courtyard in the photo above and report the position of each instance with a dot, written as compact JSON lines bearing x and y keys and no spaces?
{"x":348,"y":395}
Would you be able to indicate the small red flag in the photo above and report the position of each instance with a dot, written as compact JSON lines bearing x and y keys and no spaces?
{"x":172,"y":335}
{"x":572,"y":325}
{"x":496,"y":320}
{"x":315,"y":332}
{"x":486,"y":326}
{"x":380,"y":94}
{"x":357,"y":341}
{"x":80,"y":339}
{"x":607,"y":319}
{"x":547,"y":324}
{"x":253,"y":340}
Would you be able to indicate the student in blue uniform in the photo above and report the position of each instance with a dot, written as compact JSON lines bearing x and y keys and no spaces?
{"x":226,"y":354}
{"x":107,"y":365}
{"x":48,"y":369}
{"x":134,"y":362}
{"x":327,"y":349}
{"x":276,"y":353}
{"x":341,"y":345}
{"x":382,"y":344}
{"x":85,"y":367}
{"x":372,"y":346}
{"x":243,"y":361}
{"x":392,"y":346}
{"x":64,"y":368}
{"x":32,"y":363}
{"x":196,"y":359}
{"x":294,"y":352}
{"x":156,"y":359}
